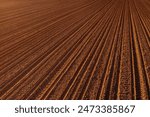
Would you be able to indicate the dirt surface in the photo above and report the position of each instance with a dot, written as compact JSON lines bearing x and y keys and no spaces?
{"x":74,"y":49}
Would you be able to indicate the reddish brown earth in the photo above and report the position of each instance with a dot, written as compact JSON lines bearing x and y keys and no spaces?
{"x":75,"y":49}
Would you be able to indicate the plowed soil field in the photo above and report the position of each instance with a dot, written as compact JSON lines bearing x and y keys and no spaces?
{"x":75,"y":49}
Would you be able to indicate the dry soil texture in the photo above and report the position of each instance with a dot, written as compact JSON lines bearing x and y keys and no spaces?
{"x":74,"y":49}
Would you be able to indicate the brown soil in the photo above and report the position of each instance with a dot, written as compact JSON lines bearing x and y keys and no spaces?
{"x":75,"y":49}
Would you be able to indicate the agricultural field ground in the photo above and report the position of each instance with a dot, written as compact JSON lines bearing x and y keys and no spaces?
{"x":75,"y":49}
